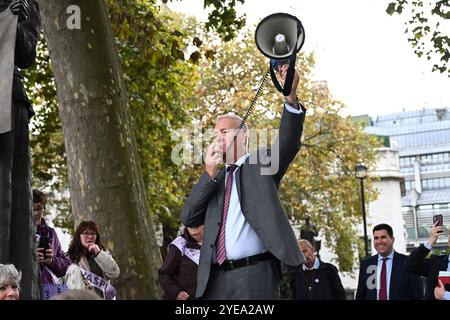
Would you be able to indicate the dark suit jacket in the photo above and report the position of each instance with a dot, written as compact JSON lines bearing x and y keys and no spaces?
{"x":258,"y":196}
{"x":418,"y":264}
{"x":327,"y":284}
{"x":403,"y":285}
{"x":26,"y":40}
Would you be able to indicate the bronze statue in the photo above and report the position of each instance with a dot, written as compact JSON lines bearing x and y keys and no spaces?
{"x":17,"y":239}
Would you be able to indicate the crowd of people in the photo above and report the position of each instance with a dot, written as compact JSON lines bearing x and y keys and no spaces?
{"x":238,"y":242}
{"x":85,"y":270}
{"x":87,"y":265}
{"x":387,"y":275}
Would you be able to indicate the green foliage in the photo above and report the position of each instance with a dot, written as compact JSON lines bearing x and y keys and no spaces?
{"x":167,"y":92}
{"x":440,"y":251}
{"x":427,"y":29}
{"x":285,"y":288}
{"x":47,"y":142}
{"x":223,"y":17}
{"x":158,"y":80}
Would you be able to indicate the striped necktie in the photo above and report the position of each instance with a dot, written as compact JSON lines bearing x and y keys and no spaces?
{"x":221,"y":253}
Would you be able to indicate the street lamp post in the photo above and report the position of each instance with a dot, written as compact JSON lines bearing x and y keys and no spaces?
{"x":361,"y":174}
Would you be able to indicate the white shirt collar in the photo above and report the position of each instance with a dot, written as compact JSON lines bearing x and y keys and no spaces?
{"x":240,"y":161}
{"x":390,"y":256}
{"x":315,"y":265}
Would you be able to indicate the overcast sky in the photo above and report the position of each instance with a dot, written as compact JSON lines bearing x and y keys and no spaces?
{"x":360,"y":50}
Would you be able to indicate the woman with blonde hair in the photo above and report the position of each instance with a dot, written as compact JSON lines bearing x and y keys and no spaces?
{"x":9,"y":282}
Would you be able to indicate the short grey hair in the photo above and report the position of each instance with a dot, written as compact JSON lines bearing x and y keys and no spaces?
{"x":306,"y":243}
{"x":9,"y":275}
{"x":233,"y":117}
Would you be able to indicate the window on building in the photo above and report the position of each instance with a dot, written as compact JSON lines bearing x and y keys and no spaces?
{"x":423,"y":233}
{"x":411,"y":233}
{"x":435,"y":184}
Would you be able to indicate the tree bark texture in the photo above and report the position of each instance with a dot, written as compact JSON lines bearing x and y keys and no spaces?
{"x":105,"y":178}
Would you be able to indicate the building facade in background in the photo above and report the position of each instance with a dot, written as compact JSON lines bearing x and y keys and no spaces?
{"x":422,"y":139}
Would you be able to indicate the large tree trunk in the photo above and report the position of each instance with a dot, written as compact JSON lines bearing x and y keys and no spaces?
{"x":105,"y":178}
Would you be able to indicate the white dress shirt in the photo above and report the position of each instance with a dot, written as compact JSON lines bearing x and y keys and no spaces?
{"x":241,"y":240}
{"x":314,"y":267}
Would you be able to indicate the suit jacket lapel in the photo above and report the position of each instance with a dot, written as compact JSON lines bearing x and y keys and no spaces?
{"x":238,"y":183}
{"x":395,"y":275}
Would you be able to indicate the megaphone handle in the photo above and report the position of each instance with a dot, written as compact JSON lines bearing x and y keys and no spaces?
{"x":274,"y":79}
{"x":289,"y":77}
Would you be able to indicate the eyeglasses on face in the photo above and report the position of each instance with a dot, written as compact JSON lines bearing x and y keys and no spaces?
{"x":87,"y":234}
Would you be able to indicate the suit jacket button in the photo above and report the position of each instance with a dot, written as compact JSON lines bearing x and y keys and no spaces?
{"x":211,"y":245}
{"x":218,"y":223}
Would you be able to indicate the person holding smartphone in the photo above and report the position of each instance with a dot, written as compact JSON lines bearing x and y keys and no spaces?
{"x":418,"y":263}
{"x":53,"y":263}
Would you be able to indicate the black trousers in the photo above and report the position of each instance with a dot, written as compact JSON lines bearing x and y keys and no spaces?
{"x":17,"y":235}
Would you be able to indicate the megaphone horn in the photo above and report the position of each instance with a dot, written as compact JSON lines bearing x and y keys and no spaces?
{"x":279,"y":37}
{"x":276,"y":30}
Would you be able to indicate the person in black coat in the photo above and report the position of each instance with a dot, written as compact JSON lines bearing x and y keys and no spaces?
{"x":398,"y":284}
{"x":16,"y":223}
{"x":178,"y":274}
{"x":316,"y":280}
{"x":418,"y":263}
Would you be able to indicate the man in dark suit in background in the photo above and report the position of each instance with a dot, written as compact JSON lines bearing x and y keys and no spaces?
{"x":383,"y":276}
{"x":418,"y":263}
{"x":247,"y":233}
{"x":315,"y":279}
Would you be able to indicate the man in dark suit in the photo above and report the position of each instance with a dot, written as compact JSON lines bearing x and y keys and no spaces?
{"x":315,"y":279}
{"x":383,"y":276}
{"x":418,"y":263}
{"x":247,"y":233}
{"x":17,"y":231}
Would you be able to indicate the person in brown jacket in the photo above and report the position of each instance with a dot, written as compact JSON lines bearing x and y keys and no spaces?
{"x":178,"y":274}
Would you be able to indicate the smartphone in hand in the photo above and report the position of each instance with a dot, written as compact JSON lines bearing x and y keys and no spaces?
{"x":439,"y":218}
{"x":44,"y":242}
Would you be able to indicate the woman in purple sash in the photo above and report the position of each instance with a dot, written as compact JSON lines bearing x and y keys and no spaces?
{"x":92,"y":266}
{"x":178,"y":274}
